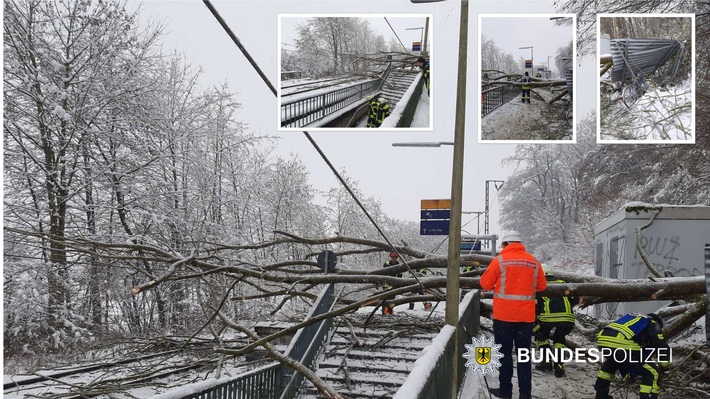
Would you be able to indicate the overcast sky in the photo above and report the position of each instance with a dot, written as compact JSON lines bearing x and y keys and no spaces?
{"x":379,"y":24}
{"x":543,"y":34}
{"x":398,"y":177}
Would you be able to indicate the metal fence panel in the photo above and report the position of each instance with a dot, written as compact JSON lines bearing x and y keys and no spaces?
{"x":639,"y":56}
{"x":307,"y":342}
{"x":269,"y":382}
{"x":299,"y":113}
{"x":495,"y":97}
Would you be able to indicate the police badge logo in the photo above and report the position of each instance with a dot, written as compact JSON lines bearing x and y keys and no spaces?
{"x":482,"y":355}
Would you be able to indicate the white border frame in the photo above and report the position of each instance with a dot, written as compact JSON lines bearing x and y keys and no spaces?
{"x":574,"y":80}
{"x":430,"y":39}
{"x":692,"y":84}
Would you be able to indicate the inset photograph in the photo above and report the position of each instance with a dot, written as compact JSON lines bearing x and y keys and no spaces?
{"x":358,"y":72}
{"x":646,"y":78}
{"x":526,"y":65}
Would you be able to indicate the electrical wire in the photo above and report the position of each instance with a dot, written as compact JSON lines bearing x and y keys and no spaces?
{"x":395,"y":35}
{"x":256,"y":67}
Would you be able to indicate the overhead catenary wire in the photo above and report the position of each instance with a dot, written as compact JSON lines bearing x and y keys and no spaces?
{"x":266,"y":80}
{"x":395,"y":35}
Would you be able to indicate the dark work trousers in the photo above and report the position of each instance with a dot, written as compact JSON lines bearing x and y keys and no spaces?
{"x":526,"y":95}
{"x":558,"y":336}
{"x":507,"y":333}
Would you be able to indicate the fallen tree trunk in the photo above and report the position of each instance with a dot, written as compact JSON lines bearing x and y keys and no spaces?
{"x":549,"y":83}
{"x":696,"y":311}
{"x":558,"y":97}
{"x":633,"y":290}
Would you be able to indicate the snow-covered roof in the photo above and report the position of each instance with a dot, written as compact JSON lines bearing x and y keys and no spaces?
{"x":643,"y":210}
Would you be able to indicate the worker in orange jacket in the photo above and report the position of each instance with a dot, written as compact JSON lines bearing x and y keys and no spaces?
{"x":514,"y":276}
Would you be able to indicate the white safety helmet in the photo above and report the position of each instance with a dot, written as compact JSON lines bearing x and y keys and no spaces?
{"x":381,"y":100}
{"x":511,"y":236}
{"x":548,"y":268}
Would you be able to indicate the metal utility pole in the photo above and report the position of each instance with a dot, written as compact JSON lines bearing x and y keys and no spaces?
{"x":426,"y":35}
{"x":486,"y":223}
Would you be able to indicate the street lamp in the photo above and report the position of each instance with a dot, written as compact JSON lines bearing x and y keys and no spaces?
{"x":531,"y":54}
{"x":423,"y":144}
{"x":421,"y":36}
{"x":454,"y":254}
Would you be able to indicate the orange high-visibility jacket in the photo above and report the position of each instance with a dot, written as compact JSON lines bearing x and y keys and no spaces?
{"x":514,"y":284}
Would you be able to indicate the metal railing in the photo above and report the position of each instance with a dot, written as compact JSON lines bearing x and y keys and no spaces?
{"x":437,"y":378}
{"x":308,"y":341}
{"x":261,"y":383}
{"x":385,"y":75}
{"x":495,"y":97}
{"x":291,"y":75}
{"x":411,"y":106}
{"x":275,"y":380}
{"x":299,"y":113}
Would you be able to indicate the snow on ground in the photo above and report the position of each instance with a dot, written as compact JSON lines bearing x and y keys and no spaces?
{"x":660,"y":114}
{"x":421,"y":114}
{"x":516,"y":120}
{"x":578,"y":383}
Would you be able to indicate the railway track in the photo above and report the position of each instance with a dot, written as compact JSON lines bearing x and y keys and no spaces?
{"x":306,"y":87}
{"x":150,"y":371}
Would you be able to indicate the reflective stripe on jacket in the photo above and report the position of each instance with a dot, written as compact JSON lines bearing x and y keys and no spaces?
{"x":635,"y":331}
{"x":374,"y":106}
{"x":555,"y":309}
{"x":514,"y":276}
{"x":526,"y":81}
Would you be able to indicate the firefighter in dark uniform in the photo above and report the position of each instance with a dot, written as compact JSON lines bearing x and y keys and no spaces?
{"x":427,"y":305}
{"x":388,"y":309}
{"x":424,"y":65}
{"x":526,"y":88}
{"x":633,"y":334}
{"x":379,"y":110}
{"x":372,"y":115}
{"x":553,"y":314}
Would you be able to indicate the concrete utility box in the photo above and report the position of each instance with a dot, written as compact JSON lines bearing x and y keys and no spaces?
{"x":674,"y":243}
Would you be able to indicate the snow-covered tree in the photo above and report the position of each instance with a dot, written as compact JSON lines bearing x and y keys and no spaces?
{"x":66,"y":64}
{"x":332,"y":45}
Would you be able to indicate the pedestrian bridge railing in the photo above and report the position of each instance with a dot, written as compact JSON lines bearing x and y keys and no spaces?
{"x":431,"y":375}
{"x":495,"y":97}
{"x":275,"y":380}
{"x":301,"y":112}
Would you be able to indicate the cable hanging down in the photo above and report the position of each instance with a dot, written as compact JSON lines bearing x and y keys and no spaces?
{"x":266,"y":80}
